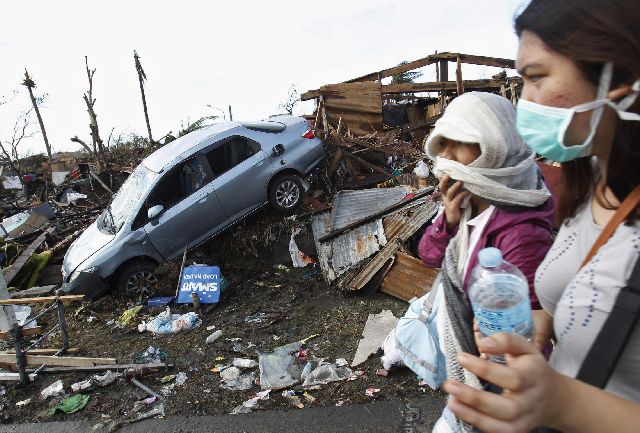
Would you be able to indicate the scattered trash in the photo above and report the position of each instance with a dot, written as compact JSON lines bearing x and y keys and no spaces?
{"x":279,"y":369}
{"x":211,"y":327}
{"x":371,"y":392}
{"x":213,"y":337}
{"x":181,"y":378}
{"x":156,"y":411}
{"x":298,"y":258}
{"x":129,"y":317}
{"x":203,"y":281}
{"x":382,"y":372}
{"x":232,"y":378}
{"x":104,"y":379}
{"x":302,"y":354}
{"x":327,"y":373}
{"x":79,"y":386}
{"x":244,"y":363}
{"x":152,"y":354}
{"x":309,"y":397}
{"x":167,"y":323}
{"x":71,"y":404}
{"x":252,"y":403}
{"x":160,"y":301}
{"x":339,"y":403}
{"x":56,"y":388}
{"x":375,"y":331}
{"x":308,"y":368}
{"x":91,"y":318}
{"x":341,"y":362}
{"x":140,"y":405}
{"x":23,"y":402}
{"x":168,"y":378}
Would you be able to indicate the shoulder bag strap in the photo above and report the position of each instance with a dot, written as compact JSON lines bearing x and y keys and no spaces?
{"x":627,"y":206}
{"x":603,"y":356}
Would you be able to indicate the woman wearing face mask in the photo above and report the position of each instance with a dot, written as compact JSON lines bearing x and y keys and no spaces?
{"x":580,"y":61}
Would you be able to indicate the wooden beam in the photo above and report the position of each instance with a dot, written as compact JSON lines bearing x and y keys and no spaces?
{"x":42,"y":351}
{"x":41,"y":300}
{"x":59,"y":360}
{"x":444,"y":70}
{"x":310,"y":94}
{"x":22,"y":259}
{"x":114,"y":367}
{"x":488,"y":61}
{"x":28,"y":332}
{"x":438,"y":86}
{"x":104,"y":185}
{"x":459,"y":85}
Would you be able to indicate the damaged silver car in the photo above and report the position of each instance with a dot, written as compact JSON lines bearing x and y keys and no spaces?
{"x":187,"y":192}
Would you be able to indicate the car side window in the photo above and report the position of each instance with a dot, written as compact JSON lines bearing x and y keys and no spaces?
{"x":177,"y":184}
{"x":230,"y":153}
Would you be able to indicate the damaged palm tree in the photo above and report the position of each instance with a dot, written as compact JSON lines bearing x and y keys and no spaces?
{"x":141,"y":78}
{"x":30,"y":85}
{"x":96,"y":150}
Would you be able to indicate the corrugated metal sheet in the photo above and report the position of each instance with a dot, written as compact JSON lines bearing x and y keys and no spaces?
{"x":348,"y":249}
{"x":408,"y":278}
{"x":350,"y":206}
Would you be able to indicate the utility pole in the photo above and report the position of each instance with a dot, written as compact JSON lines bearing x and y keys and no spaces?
{"x":30,"y":85}
{"x":141,"y":78}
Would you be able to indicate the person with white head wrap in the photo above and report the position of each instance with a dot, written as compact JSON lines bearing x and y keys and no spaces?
{"x":498,"y":199}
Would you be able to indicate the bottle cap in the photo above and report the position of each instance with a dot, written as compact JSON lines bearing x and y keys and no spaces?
{"x":490,"y":257}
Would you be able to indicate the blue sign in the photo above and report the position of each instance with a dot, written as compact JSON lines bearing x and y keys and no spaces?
{"x":203,"y":280}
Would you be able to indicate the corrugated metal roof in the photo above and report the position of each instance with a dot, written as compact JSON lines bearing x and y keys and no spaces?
{"x":350,"y":206}
{"x":348,"y":249}
{"x":408,"y":278}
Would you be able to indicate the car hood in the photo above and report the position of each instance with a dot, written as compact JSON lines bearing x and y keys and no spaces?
{"x":89,"y":243}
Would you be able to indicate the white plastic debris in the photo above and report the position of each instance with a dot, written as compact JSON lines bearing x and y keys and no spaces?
{"x":167,"y":323}
{"x":250,"y":404}
{"x":341,"y":362}
{"x":391,"y":356}
{"x":104,"y":379}
{"x":56,"y":388}
{"x":214,"y":336}
{"x":181,"y":378}
{"x":244,"y":363}
{"x":327,"y":373}
{"x":421,"y":170}
{"x":79,"y":386}
{"x":233,"y":379}
{"x":23,"y":402}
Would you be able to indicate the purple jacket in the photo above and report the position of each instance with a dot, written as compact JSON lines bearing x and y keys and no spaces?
{"x":523,"y":237}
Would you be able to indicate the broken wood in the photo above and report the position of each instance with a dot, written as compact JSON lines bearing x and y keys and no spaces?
{"x":114,"y":367}
{"x":408,"y":278}
{"x":104,"y":185}
{"x":41,"y":300}
{"x":51,"y":351}
{"x":22,"y":259}
{"x":59,"y":360}
{"x":28,"y":332}
{"x":376,"y":215}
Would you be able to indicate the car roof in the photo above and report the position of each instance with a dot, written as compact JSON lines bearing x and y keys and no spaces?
{"x":159,"y":159}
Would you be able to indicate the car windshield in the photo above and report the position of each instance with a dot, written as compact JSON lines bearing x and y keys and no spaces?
{"x":125,"y":199}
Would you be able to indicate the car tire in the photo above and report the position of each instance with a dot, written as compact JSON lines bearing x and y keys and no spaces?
{"x":286,"y":193}
{"x":137,"y":279}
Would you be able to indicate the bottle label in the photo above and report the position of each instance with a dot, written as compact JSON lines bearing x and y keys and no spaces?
{"x":513,"y":320}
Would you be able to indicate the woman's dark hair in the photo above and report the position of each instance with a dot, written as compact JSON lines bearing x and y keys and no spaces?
{"x":591,"y":33}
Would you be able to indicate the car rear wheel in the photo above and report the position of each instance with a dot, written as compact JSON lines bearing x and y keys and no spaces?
{"x":137,"y":279}
{"x":285,"y":193}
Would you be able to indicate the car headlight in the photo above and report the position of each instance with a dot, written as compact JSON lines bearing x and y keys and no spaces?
{"x":76,"y":274}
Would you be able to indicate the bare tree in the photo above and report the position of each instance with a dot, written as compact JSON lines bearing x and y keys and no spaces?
{"x":293,"y":97}
{"x":9,"y":149}
{"x":30,"y":85}
{"x":90,"y":101}
{"x":141,"y":78}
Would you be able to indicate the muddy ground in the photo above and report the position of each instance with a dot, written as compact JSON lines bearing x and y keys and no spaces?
{"x":295,"y":304}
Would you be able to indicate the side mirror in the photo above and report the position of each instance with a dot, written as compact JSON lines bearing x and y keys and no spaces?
{"x":155,"y":211}
{"x":278,"y":149}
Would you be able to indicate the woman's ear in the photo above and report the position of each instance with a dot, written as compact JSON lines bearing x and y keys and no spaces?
{"x":619,"y":92}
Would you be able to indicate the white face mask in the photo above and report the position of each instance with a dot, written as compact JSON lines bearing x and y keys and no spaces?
{"x":543,"y":128}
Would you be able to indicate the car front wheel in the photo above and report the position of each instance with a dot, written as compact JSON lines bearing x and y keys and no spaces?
{"x":285,"y":193}
{"x":137,"y":279}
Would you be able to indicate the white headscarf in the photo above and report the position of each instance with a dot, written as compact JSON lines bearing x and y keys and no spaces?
{"x":505,"y":173}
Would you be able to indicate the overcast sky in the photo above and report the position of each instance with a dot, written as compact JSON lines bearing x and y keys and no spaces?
{"x":197,"y":54}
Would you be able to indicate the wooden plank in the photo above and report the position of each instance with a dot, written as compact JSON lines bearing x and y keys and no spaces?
{"x":59,"y":360}
{"x":22,"y":259}
{"x":41,"y":300}
{"x":29,"y":332}
{"x":437,"y":86}
{"x":42,"y":351}
{"x":459,"y":84}
{"x":408,"y":278}
{"x":104,"y":185}
{"x":488,"y":61}
{"x":310,"y":94}
{"x":353,"y":97}
{"x":114,"y":367}
{"x":14,"y":377}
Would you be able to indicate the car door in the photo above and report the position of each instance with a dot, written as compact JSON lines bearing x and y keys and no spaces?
{"x":192,"y":209}
{"x":241,"y":171}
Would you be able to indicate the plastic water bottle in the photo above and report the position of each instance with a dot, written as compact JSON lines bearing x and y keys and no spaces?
{"x":499,"y":295}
